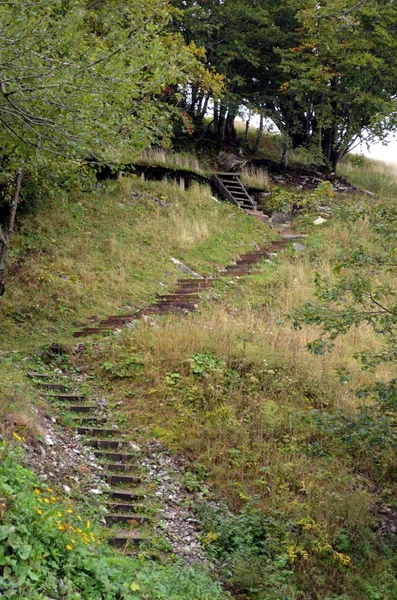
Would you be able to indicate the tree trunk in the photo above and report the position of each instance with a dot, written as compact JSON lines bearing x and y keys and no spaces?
{"x":230,"y":131}
{"x":259,"y":136}
{"x":285,"y":158}
{"x":247,"y":128}
{"x":5,"y":235}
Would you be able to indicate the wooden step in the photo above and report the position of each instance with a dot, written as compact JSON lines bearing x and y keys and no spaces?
{"x":127,"y":518}
{"x":126,"y":539}
{"x":67,"y":397}
{"x":81,"y":408}
{"x":120,"y":467}
{"x":60,"y":387}
{"x":116,"y":479}
{"x":181,"y":297}
{"x":96,"y":431}
{"x":123,"y":457}
{"x":116,"y":507}
{"x":106,"y":443}
{"x":88,"y":420}
{"x":126,"y":495}
{"x":33,"y":375}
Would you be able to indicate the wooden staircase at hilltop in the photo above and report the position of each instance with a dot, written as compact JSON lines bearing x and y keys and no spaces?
{"x":229,"y":186}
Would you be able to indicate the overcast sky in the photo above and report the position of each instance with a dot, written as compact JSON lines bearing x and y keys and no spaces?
{"x":387,"y":153}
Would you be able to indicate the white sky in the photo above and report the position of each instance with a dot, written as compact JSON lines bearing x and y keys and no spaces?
{"x":379,"y":151}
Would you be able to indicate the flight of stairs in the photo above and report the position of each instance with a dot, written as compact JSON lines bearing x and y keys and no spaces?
{"x":126,"y":500}
{"x":186,"y":296}
{"x":229,"y":186}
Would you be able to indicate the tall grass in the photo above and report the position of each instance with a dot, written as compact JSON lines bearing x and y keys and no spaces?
{"x":376,"y":176}
{"x":255,"y":177}
{"x":175,"y":160}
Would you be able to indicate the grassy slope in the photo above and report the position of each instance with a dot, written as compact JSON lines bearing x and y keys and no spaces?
{"x":234,"y":389}
{"x":245,"y":423}
{"x":105,"y":252}
{"x":96,"y":254}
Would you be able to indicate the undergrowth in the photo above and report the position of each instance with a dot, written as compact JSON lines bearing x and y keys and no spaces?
{"x":50,"y":547}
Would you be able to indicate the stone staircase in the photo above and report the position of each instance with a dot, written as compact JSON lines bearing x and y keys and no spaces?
{"x":126,"y":498}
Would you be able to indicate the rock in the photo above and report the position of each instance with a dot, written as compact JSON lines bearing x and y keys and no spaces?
{"x":279,"y":217}
{"x":230,"y":162}
{"x":134,"y":446}
{"x":67,"y":489}
{"x":298,"y":247}
{"x":319,"y":221}
{"x":393,"y":529}
{"x":184,"y":269}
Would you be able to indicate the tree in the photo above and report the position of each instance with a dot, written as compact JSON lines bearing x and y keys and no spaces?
{"x":82,"y":79}
{"x":342,"y":73}
{"x":229,"y":31}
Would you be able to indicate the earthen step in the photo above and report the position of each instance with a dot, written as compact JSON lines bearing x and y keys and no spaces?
{"x":115,"y":479}
{"x":126,"y":539}
{"x":81,"y":408}
{"x":96,"y":431}
{"x":128,"y":518}
{"x":106,"y":443}
{"x":122,"y":457}
{"x":126,"y":495}
{"x":60,"y":387}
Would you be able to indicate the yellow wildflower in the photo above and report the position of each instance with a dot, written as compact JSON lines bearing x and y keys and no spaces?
{"x":61,"y":528}
{"x":68,"y":547}
{"x":17,"y":437}
{"x":59,"y":514}
{"x":39,"y":500}
{"x":46,"y":500}
{"x":73,"y":541}
{"x":88,"y":524}
{"x":40,"y":512}
{"x":37,"y":491}
{"x":79,"y":518}
{"x":53,"y":499}
{"x":69,"y":511}
{"x":49,"y":490}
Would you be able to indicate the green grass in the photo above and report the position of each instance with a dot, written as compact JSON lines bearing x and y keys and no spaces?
{"x":234,"y":390}
{"x":110,"y":251}
{"x":231,"y":387}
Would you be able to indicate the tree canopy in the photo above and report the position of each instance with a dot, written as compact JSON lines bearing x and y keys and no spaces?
{"x":324,"y":72}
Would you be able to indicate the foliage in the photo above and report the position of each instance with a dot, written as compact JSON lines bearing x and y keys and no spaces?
{"x":49,"y":550}
{"x":362,"y":291}
{"x":302,"y":65}
{"x":252,"y":547}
